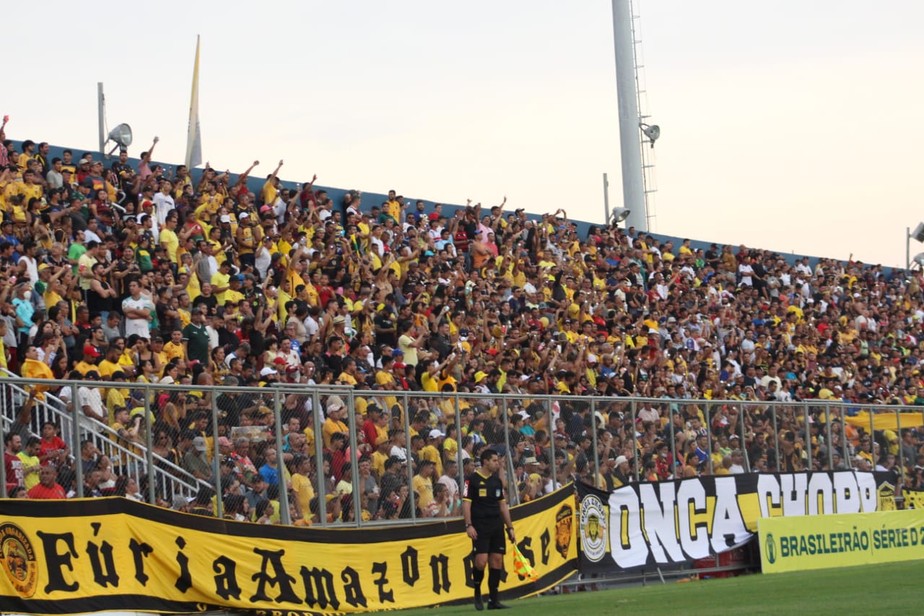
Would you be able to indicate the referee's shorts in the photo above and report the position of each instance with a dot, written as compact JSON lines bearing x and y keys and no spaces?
{"x":491,"y":538}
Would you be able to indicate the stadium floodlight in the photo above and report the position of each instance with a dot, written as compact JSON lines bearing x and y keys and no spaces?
{"x":653,"y":132}
{"x":121,"y":135}
{"x":918,"y":236}
{"x":919,"y":260}
{"x":619,"y":215}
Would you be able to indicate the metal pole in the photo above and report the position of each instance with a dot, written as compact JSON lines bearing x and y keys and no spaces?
{"x":459,"y":468}
{"x":635,"y":438}
{"x":673,"y":439}
{"x":808,"y":436}
{"x":630,"y":151}
{"x":319,"y":459}
{"x":844,"y":439}
{"x":509,"y":456}
{"x":829,"y":443}
{"x":744,"y":449}
{"x":553,"y":464}
{"x":101,"y":109}
{"x":776,"y":439}
{"x":354,"y":460}
{"x":78,"y":467}
{"x":593,"y":437}
{"x":410,"y":460}
{"x":711,"y":465}
{"x":284,"y":516}
{"x":606,"y":200}
{"x":899,"y":458}
{"x":149,"y":455}
{"x":907,"y":248}
{"x":216,"y":463}
{"x":3,"y":494}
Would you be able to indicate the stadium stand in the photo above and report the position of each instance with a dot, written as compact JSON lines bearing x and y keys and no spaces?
{"x":606,"y":357}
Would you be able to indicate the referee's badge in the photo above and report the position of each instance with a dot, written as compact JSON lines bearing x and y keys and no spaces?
{"x":483,"y":492}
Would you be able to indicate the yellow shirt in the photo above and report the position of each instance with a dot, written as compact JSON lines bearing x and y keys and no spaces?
{"x":304,"y":492}
{"x":106,"y":368}
{"x":424,"y":489}
{"x":429,"y":382}
{"x":269,"y":192}
{"x":174,"y":350}
{"x":171,"y":243}
{"x":220,"y":280}
{"x":432,"y":453}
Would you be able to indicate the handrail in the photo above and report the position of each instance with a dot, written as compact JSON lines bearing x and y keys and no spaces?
{"x":108,"y":441}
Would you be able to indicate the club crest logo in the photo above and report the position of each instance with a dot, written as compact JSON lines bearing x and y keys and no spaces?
{"x":594,"y":528}
{"x":18,"y":560}
{"x":564,"y":524}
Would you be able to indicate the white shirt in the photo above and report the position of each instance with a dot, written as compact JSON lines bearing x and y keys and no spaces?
{"x":31,"y":268}
{"x":311,"y":327}
{"x":91,"y":236}
{"x":163,"y":204}
{"x":263,"y":261}
{"x":90,"y":398}
{"x":746,"y":270}
{"x":213,"y":336}
{"x":141,"y":327}
{"x":451,"y":486}
{"x":55,"y":179}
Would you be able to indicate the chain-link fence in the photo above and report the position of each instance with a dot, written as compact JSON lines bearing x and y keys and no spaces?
{"x":332,"y":455}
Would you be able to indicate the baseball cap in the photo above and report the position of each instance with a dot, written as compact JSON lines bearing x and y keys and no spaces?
{"x":435,"y":434}
{"x":199,"y":443}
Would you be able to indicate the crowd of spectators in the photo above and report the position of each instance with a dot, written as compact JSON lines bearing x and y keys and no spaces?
{"x":133,"y":273}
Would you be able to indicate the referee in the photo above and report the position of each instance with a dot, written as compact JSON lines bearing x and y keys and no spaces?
{"x":486,"y":514}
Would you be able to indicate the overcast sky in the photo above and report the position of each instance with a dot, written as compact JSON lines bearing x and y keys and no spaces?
{"x":790,"y":125}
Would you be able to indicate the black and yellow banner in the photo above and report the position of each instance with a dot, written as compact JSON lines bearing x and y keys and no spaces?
{"x":674,"y":522}
{"x":63,"y":557}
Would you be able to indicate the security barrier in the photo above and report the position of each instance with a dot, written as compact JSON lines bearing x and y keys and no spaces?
{"x":180,"y":441}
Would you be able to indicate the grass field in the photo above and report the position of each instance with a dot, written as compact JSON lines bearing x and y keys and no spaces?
{"x":893,"y":588}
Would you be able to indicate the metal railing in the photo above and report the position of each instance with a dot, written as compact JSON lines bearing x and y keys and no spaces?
{"x":547,"y":441}
{"x":129,"y":459}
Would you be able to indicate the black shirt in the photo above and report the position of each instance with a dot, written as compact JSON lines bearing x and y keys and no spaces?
{"x":485,"y":494}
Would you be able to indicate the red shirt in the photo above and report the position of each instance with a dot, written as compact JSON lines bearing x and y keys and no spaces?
{"x":56,"y":443}
{"x":39,"y":491}
{"x":14,"y":472}
{"x":371,"y":433}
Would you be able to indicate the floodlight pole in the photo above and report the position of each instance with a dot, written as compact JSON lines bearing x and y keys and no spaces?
{"x":907,"y":248}
{"x":630,"y":148}
{"x":606,"y":200}
{"x":101,"y":107}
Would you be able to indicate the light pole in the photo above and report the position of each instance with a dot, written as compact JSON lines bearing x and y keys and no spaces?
{"x":918,"y":236}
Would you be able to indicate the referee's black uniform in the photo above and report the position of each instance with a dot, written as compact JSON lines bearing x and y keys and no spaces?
{"x":486,"y":494}
{"x":485,"y":510}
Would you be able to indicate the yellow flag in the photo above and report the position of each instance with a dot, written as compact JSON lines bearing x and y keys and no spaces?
{"x":522,"y":567}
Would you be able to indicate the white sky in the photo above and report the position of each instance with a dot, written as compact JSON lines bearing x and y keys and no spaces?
{"x":789,"y":125}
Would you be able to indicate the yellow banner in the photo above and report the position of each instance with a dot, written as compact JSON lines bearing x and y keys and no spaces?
{"x":886,"y":421}
{"x":114,"y":554}
{"x":824,"y":542}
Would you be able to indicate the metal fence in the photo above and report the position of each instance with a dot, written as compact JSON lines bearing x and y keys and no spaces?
{"x":295,"y":454}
